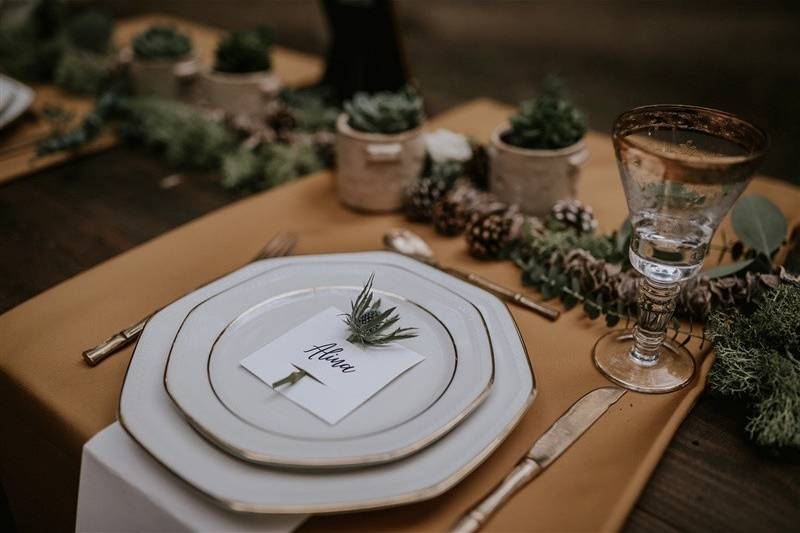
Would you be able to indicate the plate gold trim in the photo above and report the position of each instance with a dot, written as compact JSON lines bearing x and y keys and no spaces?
{"x":352,"y":461}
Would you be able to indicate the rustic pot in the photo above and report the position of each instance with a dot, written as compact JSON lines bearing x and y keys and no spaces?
{"x":533,"y":179}
{"x":240,"y":94}
{"x":165,"y":78}
{"x":374,"y":170}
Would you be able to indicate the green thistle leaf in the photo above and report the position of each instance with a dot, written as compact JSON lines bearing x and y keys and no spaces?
{"x":369,"y":324}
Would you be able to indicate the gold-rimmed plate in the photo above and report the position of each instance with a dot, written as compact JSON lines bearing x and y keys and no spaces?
{"x":149,"y":417}
{"x":236,"y":411}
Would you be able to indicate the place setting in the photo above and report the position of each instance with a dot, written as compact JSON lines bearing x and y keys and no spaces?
{"x":300,"y":296}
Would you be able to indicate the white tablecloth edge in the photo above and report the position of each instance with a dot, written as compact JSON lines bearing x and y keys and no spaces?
{"x":123,"y":489}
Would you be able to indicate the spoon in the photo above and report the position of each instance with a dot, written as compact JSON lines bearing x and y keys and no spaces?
{"x":412,"y":245}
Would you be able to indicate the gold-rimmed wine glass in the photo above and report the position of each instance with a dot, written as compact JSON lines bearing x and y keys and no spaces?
{"x":682,"y":168}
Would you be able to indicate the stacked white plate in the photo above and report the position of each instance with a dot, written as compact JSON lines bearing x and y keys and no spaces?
{"x":15,"y":99}
{"x":190,"y":404}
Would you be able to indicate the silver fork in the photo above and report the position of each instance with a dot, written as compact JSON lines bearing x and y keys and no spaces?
{"x":280,"y":245}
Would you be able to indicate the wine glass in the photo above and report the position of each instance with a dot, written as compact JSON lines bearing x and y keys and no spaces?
{"x":682,"y":169}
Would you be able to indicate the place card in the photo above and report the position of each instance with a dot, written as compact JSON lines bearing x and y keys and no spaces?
{"x":343,"y":375}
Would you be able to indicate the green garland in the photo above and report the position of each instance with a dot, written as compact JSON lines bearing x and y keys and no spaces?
{"x":177,"y":131}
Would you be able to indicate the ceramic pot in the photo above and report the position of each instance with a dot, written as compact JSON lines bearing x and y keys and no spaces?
{"x":374,"y":170}
{"x":165,"y":78}
{"x":240,"y":94}
{"x":533,"y":179}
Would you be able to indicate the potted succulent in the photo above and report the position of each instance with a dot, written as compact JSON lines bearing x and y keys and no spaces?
{"x":380,"y":150}
{"x":161,"y":59}
{"x":242,"y":81}
{"x":536,"y":156}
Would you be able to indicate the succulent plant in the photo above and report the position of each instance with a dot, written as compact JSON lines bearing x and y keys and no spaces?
{"x":240,"y":52}
{"x":385,"y":112}
{"x":90,"y":31}
{"x":546,"y":122}
{"x":161,"y":42}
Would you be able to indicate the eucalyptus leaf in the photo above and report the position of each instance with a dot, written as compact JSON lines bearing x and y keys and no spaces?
{"x":623,"y":234}
{"x":727,"y":270}
{"x":759,"y":224}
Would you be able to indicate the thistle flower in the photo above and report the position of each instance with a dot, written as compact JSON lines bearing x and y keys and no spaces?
{"x":369,"y":324}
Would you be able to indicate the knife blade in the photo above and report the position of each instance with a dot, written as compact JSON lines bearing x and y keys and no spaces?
{"x":555,"y":441}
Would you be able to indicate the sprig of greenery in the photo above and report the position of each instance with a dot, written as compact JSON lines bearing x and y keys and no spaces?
{"x":385,"y":112}
{"x":369,"y":324}
{"x":108,"y":105}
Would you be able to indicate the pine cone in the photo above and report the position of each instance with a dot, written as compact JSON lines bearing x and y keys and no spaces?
{"x":421,"y":197}
{"x":575,"y":214}
{"x":696,"y":297}
{"x":594,"y":274}
{"x":477,"y":168}
{"x":283,"y":121}
{"x":490,"y":233}
{"x":452,"y":214}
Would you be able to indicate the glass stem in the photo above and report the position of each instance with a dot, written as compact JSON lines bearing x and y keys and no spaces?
{"x":656,"y":305}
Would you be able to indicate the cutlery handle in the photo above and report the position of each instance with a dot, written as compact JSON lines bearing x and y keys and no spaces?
{"x":116,"y":342}
{"x":523,"y":473}
{"x":506,"y":293}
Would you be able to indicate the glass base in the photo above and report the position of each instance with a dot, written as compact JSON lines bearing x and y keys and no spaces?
{"x":673,"y":369}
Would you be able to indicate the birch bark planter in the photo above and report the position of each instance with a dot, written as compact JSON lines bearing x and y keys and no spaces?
{"x":165,"y":78}
{"x":533,"y":179}
{"x":247,"y":94}
{"x":374,"y":170}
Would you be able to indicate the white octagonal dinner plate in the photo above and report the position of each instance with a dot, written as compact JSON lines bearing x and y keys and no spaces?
{"x":237,"y":411}
{"x":153,"y":421}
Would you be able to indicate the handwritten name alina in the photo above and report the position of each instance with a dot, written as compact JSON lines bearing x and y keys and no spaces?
{"x":327,"y":352}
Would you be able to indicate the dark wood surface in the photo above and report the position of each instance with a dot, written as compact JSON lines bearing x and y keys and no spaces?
{"x":65,"y":220}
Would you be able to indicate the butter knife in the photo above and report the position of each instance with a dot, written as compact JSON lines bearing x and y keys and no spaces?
{"x":560,"y":436}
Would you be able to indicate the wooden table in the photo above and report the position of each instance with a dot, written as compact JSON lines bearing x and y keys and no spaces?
{"x":66,"y":219}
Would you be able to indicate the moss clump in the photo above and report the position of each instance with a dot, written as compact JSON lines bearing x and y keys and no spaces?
{"x":385,"y":112}
{"x":758,"y":359}
{"x":177,"y":131}
{"x":269,"y":166}
{"x":161,"y":42}
{"x":81,"y":72}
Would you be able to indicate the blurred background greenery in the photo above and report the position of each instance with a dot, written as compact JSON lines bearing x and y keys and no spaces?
{"x":740,"y":56}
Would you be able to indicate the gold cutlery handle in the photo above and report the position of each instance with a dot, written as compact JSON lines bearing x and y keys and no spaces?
{"x":523,"y":473}
{"x":506,"y":293}
{"x":116,"y":342}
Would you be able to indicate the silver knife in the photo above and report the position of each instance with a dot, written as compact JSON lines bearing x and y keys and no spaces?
{"x":560,"y":436}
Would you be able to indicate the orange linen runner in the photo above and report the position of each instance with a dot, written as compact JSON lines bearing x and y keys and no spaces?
{"x":51,"y":403}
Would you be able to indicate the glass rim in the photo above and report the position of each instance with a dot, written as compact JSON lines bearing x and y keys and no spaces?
{"x":619,"y":137}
